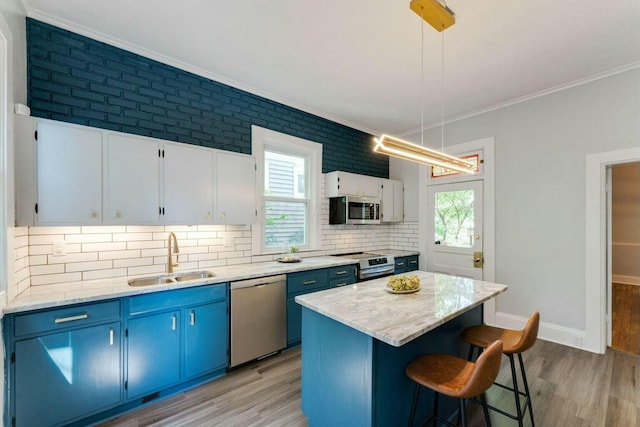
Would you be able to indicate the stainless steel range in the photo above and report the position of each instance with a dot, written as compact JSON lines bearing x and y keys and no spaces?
{"x":372,"y":265}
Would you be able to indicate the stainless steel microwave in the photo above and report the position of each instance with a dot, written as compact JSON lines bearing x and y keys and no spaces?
{"x":354,"y":210}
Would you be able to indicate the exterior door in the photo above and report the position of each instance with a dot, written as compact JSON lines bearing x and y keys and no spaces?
{"x":454,"y":227}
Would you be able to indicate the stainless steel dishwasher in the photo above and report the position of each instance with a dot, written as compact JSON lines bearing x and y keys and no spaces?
{"x":258,"y":318}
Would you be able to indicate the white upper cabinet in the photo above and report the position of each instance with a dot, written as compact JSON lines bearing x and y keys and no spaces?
{"x":132,"y":171}
{"x":350,"y":184}
{"x":392,"y":201}
{"x":235,"y":188}
{"x":69,"y":174}
{"x":188,"y":184}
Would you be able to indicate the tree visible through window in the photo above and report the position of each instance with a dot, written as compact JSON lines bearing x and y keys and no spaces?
{"x":286,"y":200}
{"x":454,"y":221}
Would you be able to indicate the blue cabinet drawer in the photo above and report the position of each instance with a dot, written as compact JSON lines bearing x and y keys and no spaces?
{"x":342,"y":272}
{"x":342,"y":281}
{"x":412,"y":262}
{"x":305,"y":281}
{"x":168,"y":300}
{"x":74,"y":316}
{"x":401,"y":263}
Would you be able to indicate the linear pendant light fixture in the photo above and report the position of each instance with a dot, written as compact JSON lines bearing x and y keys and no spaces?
{"x":439,"y":17}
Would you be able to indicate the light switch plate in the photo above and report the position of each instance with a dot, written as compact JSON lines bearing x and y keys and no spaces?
{"x":59,"y":248}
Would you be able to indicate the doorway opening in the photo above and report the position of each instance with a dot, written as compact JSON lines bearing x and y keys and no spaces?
{"x":623,"y":249}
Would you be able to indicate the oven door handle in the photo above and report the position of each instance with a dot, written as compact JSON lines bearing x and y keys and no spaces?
{"x":377,"y":271}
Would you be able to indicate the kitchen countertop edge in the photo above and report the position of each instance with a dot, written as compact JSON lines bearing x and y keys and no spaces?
{"x":60,"y":295}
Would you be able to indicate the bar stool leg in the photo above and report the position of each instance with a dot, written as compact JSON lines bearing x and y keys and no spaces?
{"x":526,"y":388}
{"x":436,"y":398}
{"x":515,"y":390}
{"x":485,"y":409}
{"x":414,"y":404}
{"x":462,"y":414}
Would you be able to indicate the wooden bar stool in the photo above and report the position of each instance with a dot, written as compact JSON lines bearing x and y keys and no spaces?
{"x":515,"y":342}
{"x":455,"y":377}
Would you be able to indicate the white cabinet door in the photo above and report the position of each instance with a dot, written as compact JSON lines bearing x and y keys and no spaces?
{"x":341,"y":183}
{"x":398,"y":201}
{"x":69,"y":174}
{"x":132,"y":171}
{"x":370,"y":186}
{"x":392,"y":201}
{"x":235,"y":188}
{"x":188,"y":184}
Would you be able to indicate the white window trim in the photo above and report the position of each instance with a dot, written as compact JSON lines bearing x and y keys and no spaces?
{"x":262,"y":138}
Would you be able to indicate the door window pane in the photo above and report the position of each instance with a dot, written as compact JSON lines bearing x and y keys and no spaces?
{"x":454,"y":222}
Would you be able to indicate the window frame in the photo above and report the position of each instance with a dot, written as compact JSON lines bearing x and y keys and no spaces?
{"x":268,"y":140}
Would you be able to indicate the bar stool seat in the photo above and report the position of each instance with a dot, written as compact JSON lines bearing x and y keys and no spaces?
{"x":455,"y":377}
{"x":514,"y":342}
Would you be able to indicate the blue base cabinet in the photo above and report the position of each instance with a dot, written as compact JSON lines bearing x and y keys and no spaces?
{"x":153,"y":353}
{"x":65,"y":364}
{"x":404,"y":264}
{"x":80,"y":364}
{"x":301,"y":283}
{"x":174,"y":336}
{"x":205,"y":339}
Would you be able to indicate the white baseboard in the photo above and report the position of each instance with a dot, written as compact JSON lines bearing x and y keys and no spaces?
{"x":547,"y":331}
{"x":626,"y":280}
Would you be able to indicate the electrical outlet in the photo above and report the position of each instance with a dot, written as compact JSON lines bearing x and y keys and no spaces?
{"x":59,"y":248}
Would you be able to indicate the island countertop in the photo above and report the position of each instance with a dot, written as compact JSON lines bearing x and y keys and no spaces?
{"x":397,"y":319}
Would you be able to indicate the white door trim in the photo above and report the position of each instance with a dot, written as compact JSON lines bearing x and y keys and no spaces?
{"x":489,"y":246}
{"x":595,"y":337}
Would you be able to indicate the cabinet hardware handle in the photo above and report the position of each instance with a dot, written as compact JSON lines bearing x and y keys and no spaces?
{"x":94,"y":214}
{"x":71,"y":318}
{"x":413,"y":262}
{"x":110,"y":336}
{"x":192,"y":316}
{"x":308,"y":282}
{"x":174,"y":321}
{"x":338,"y":273}
{"x":341,"y":284}
{"x":400,"y":263}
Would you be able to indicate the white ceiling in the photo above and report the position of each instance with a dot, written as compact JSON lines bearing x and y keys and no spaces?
{"x":358,"y":61}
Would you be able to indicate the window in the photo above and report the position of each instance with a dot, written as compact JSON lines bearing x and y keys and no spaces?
{"x":289,"y":175}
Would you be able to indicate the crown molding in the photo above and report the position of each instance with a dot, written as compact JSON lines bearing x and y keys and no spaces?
{"x":534,"y":95}
{"x":156,"y":56}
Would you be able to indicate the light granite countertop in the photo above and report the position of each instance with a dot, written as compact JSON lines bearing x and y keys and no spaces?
{"x":397,"y":319}
{"x":49,"y":296}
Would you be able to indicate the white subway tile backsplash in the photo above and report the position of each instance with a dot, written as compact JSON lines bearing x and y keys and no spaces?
{"x":45,"y":239}
{"x":37,"y":260}
{"x":132,"y":262}
{"x":147,"y":269}
{"x":40,"y":249}
{"x":145,"y":228}
{"x":39,"y":270}
{"x":76,"y":257}
{"x":104,"y":247}
{"x":104,"y":274}
{"x":87,"y":238}
{"x":54,"y":230}
{"x":149,"y":244}
{"x":132,"y":237}
{"x":119,"y":254}
{"x":49,"y":279}
{"x":111,"y":229}
{"x":88,"y":266}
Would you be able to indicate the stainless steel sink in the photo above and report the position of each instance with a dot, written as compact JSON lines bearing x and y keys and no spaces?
{"x":193,"y":275}
{"x":173,"y":278}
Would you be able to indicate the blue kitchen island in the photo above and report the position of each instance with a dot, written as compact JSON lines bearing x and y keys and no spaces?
{"x":358,"y":339}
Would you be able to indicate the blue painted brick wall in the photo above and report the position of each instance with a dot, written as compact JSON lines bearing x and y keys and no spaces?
{"x":76,"y":79}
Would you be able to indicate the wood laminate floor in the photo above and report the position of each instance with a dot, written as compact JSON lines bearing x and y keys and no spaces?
{"x":625,"y":319}
{"x":570,"y":388}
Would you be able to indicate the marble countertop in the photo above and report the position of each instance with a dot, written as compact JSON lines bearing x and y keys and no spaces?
{"x":48,"y":296}
{"x":397,"y":319}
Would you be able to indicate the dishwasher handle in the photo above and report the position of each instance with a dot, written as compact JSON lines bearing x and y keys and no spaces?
{"x":258,"y":282}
